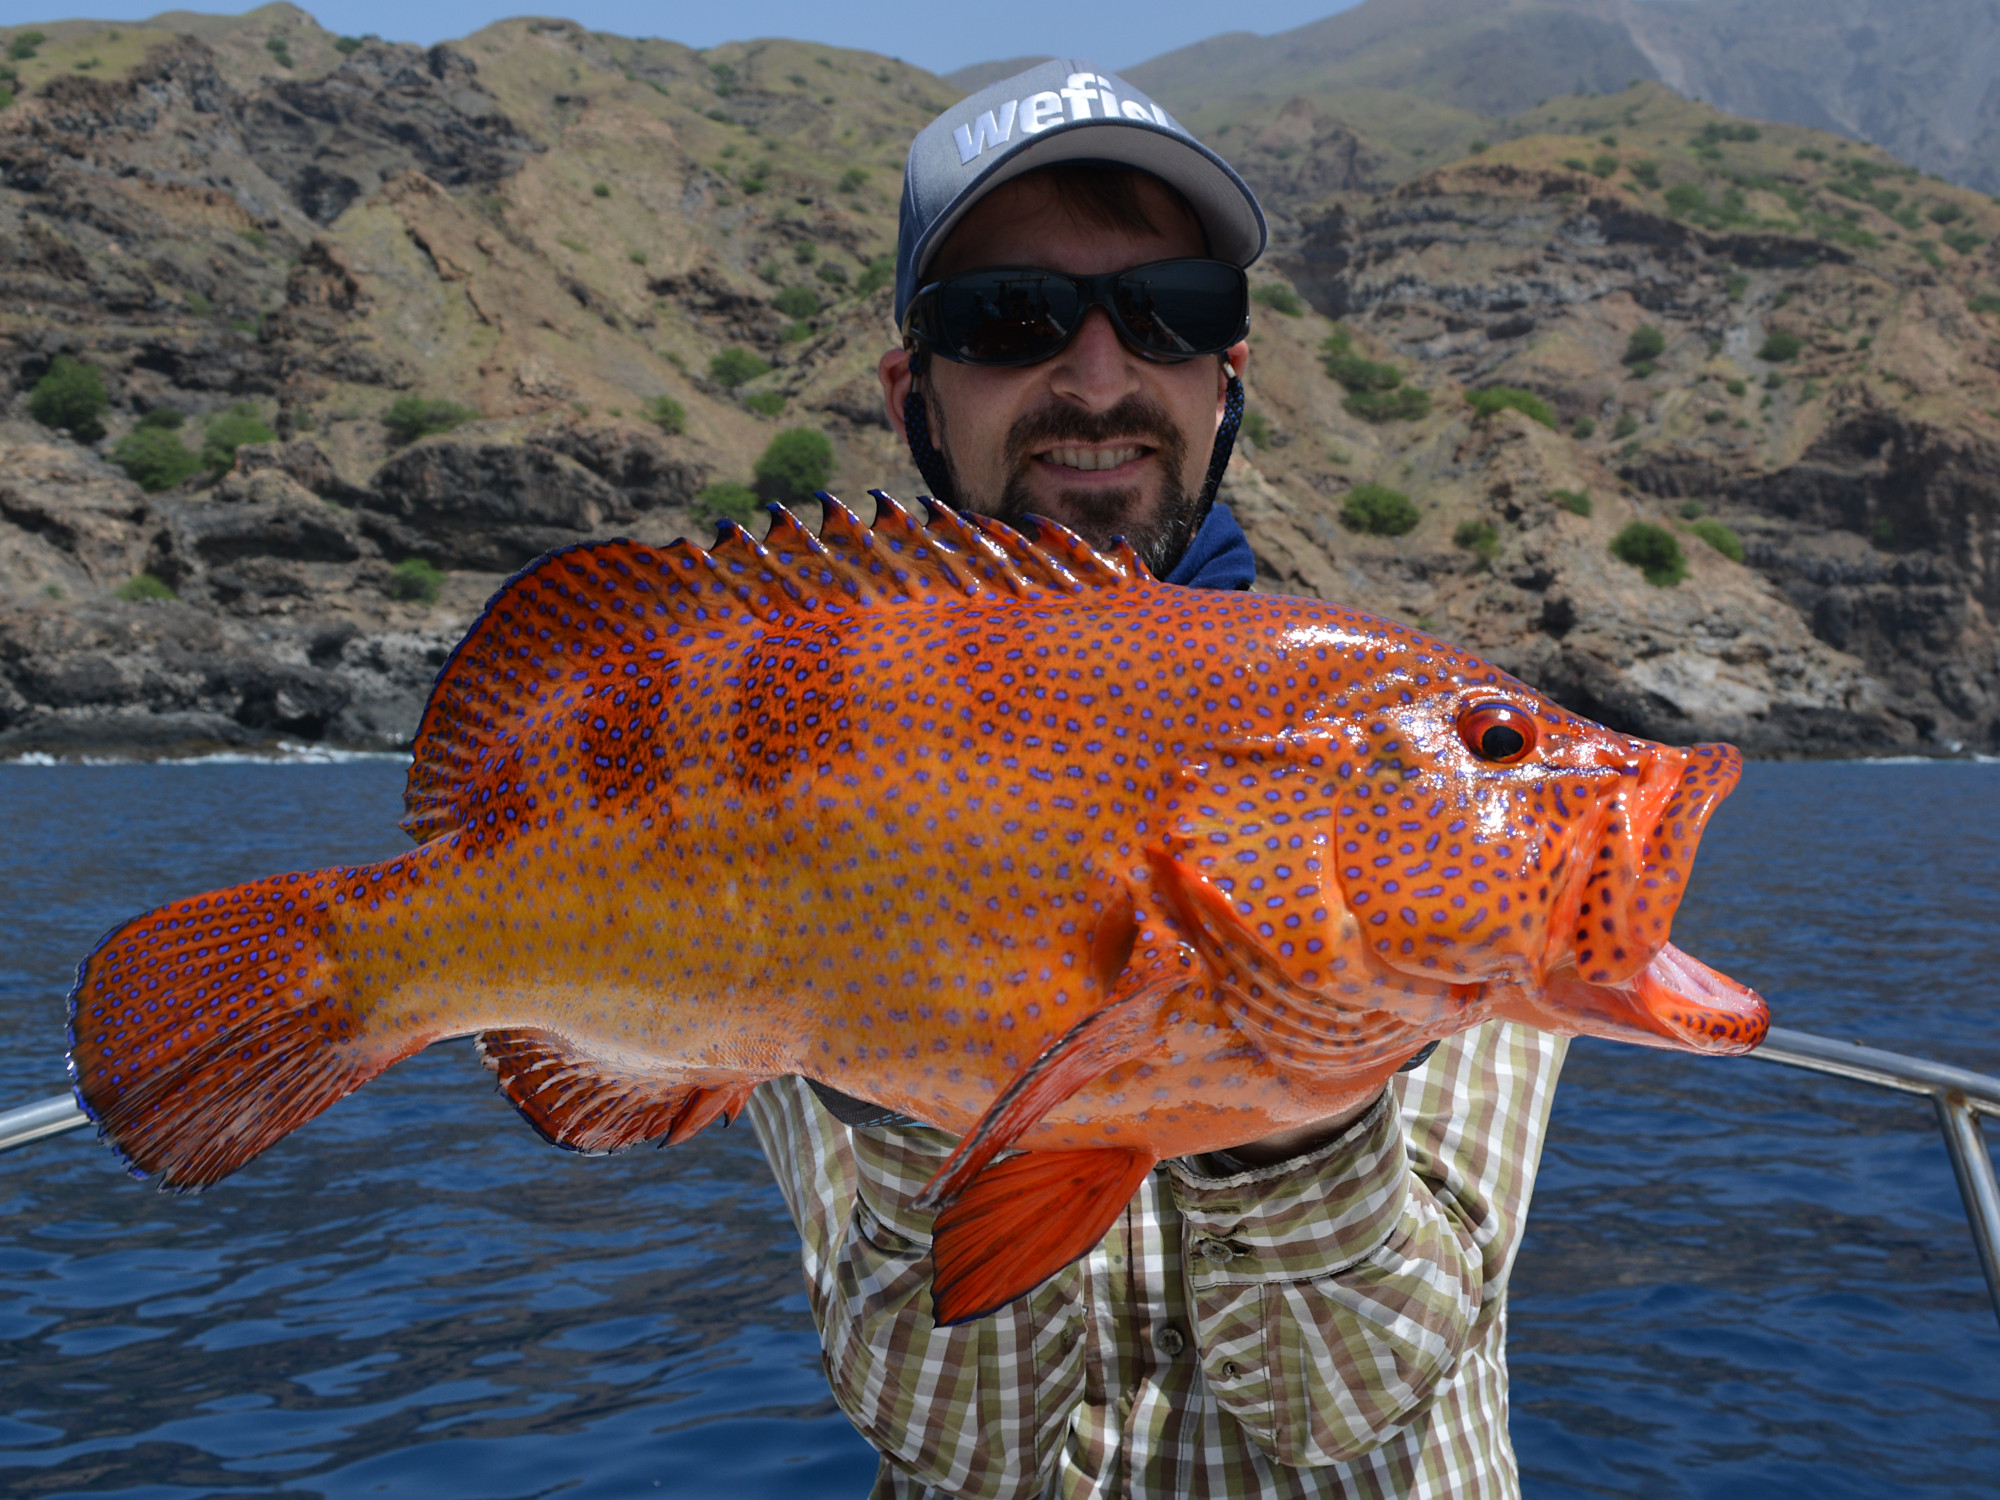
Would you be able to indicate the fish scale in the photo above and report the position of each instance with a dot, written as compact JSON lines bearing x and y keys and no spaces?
{"x":991,"y":829}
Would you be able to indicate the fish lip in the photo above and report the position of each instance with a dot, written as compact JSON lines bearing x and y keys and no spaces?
{"x":1676,"y":1001}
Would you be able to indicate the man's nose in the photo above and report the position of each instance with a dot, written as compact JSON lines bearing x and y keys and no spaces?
{"x":1095,"y":370}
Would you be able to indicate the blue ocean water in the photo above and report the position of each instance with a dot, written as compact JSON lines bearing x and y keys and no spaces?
{"x":1737,"y":1279}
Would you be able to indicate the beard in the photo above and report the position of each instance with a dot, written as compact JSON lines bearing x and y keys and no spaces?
{"x":1099,"y":516}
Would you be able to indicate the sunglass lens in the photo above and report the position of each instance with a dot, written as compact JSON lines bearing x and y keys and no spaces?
{"x":1182,"y":308}
{"x":1006,"y":317}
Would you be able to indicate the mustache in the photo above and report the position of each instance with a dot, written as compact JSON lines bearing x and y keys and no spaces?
{"x":1134,"y":417}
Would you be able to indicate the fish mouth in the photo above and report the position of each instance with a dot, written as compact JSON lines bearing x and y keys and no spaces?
{"x":1631,"y":870}
{"x":1676,"y":1002}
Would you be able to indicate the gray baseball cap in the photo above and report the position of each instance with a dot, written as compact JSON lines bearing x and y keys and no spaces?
{"x":1063,"y":110}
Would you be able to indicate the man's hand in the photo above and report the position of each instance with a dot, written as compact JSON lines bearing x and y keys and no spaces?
{"x":1300,"y":1140}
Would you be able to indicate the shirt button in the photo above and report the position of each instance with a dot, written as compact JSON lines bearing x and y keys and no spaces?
{"x":1217,"y":1252}
{"x":1229,"y":1369}
{"x":1169,"y":1341}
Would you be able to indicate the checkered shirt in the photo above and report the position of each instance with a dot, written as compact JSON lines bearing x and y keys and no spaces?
{"x":1333,"y":1325}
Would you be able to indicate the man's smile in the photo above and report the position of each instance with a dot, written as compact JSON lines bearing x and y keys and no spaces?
{"x":1095,"y":458}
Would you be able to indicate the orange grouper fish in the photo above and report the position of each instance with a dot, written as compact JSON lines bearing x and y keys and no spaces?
{"x":1089,"y":869}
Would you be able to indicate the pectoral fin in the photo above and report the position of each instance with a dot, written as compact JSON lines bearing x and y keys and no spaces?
{"x":1296,"y":1025}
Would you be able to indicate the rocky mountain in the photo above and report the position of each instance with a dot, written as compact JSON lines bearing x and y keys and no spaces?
{"x":422,"y":315}
{"x":1920,"y":78}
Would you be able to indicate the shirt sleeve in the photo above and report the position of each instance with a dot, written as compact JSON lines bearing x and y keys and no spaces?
{"x":977,"y":1410}
{"x":1334,"y":1294}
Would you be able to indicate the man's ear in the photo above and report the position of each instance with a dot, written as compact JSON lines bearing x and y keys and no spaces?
{"x":893,"y":371}
{"x":1235,"y":360}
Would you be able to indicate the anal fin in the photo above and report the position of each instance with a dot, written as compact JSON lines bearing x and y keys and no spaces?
{"x":583,"y":1103}
{"x":1021,"y":1221}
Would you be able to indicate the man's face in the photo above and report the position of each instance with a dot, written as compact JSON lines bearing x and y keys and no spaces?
{"x":1098,"y":438}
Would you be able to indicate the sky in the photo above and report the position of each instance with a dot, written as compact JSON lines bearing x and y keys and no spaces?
{"x":940,"y":37}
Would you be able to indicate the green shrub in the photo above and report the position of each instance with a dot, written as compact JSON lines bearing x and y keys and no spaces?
{"x":1648,"y":175}
{"x":1646,"y":343}
{"x":347,"y":45}
{"x":732,"y":367}
{"x":1625,"y":426}
{"x":411,"y":417}
{"x":730,"y":500}
{"x":1280,"y":299}
{"x":1478,"y":537}
{"x":70,"y":396}
{"x":667,"y":414}
{"x":797,"y":463}
{"x":1946,"y":213}
{"x":832,"y":272}
{"x":877,"y":274}
{"x":1406,"y":403}
{"x":1964,"y":241}
{"x":1256,"y":428}
{"x":154,"y":458}
{"x":600,"y":190}
{"x":227,"y":431}
{"x":1576,"y":164}
{"x":21,"y":47}
{"x":415,"y":581}
{"x":1603,"y":166}
{"x":1985,"y":302}
{"x":1497,"y":398}
{"x":1576,"y":502}
{"x":1778,"y":348}
{"x":853,"y":180}
{"x":1684,"y":198}
{"x":145,"y":587}
{"x":1359,"y":374}
{"x":766,"y":403}
{"x":1653,"y":551}
{"x":1378,"y":510}
{"x":280,"y":50}
{"x":1736,"y":387}
{"x":163,"y":416}
{"x":1583,"y":427}
{"x":1738,"y":285}
{"x":1720,"y":537}
{"x":797,"y":302}
{"x":1773,"y":379}
{"x":1479,"y":148}
{"x":6,"y":94}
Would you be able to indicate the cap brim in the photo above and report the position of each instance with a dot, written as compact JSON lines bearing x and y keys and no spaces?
{"x":1222,"y":201}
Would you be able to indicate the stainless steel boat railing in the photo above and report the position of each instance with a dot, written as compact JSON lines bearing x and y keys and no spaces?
{"x":1958,"y":1096}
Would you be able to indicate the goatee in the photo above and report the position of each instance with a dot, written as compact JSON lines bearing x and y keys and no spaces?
{"x":1101,"y":516}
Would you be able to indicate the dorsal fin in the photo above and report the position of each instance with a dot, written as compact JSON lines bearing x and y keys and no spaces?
{"x":561,"y":680}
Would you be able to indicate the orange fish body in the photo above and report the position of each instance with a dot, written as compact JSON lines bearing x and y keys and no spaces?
{"x":1001,"y":834}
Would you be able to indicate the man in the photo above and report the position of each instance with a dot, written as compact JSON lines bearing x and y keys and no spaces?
{"x":1316,"y":1313}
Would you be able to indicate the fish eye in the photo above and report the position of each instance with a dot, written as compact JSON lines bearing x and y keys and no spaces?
{"x":1497,"y":733}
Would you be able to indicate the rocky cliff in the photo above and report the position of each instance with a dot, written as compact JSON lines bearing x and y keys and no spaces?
{"x":607,"y":273}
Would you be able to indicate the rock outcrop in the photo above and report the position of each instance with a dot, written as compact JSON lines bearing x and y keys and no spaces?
{"x":511,"y":294}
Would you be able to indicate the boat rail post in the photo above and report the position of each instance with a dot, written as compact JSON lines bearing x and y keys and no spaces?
{"x":1972,"y":1163}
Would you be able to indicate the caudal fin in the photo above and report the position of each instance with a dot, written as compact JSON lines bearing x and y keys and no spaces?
{"x":203,"y":1031}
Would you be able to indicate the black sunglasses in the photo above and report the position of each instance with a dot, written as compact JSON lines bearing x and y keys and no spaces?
{"x":1168,"y":311}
